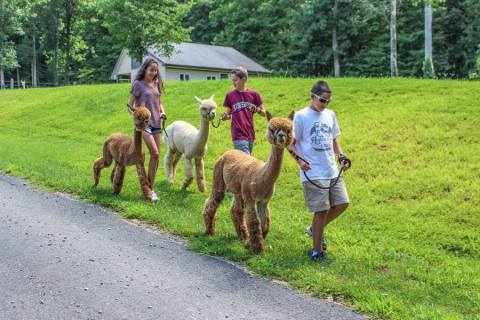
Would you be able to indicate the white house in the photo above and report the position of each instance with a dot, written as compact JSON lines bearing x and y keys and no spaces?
{"x":191,"y":61}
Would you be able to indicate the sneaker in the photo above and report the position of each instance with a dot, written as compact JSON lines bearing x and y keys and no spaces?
{"x":154,"y":196}
{"x":318,"y":256}
{"x":310,"y":233}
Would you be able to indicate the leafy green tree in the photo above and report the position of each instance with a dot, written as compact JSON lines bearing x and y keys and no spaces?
{"x":140,"y":24}
{"x":203,"y":26}
{"x":10,"y":27}
{"x":102,"y":50}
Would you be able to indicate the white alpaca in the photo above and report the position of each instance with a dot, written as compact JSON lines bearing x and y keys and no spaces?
{"x":184,"y":139}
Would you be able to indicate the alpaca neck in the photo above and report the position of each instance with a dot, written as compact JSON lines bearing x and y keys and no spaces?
{"x":137,"y":141}
{"x":202,"y":136}
{"x":271,"y":169}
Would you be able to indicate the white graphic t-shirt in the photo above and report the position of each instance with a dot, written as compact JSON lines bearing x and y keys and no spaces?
{"x":314,"y":132}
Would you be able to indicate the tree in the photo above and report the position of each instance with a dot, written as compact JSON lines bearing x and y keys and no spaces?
{"x":336,"y":60}
{"x":10,"y":27}
{"x":203,"y":27}
{"x":428,"y":69}
{"x":393,"y":38}
{"x":138,"y":25}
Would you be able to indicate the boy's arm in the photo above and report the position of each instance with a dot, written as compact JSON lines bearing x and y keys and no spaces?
{"x":292,"y":149}
{"x":227,"y":115}
{"x":258,"y":106}
{"x":261,"y":110}
{"x":344,"y":161}
{"x":337,"y":148}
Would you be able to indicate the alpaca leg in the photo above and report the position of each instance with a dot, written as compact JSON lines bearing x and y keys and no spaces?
{"x":113,"y":172}
{"x":200,"y":173}
{"x":168,"y":164}
{"x":188,"y":174}
{"x":238,"y":216}
{"x":264,"y":214}
{"x":210,"y":211}
{"x":101,"y":163}
{"x":98,"y":165}
{"x":254,"y":228}
{"x":118,"y":179}
{"x":175,"y":159}
{"x":215,"y":198}
{"x":142,"y":176}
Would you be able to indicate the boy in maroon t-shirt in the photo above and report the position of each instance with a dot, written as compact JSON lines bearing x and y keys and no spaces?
{"x":241,"y":104}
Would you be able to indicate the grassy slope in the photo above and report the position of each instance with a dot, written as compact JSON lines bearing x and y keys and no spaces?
{"x":408,"y":247}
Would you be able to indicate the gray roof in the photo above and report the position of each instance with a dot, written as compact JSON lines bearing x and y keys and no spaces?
{"x":208,"y":56}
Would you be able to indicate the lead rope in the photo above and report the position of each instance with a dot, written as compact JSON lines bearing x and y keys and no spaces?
{"x":163,"y":126}
{"x":296,"y":156}
{"x":216,"y":126}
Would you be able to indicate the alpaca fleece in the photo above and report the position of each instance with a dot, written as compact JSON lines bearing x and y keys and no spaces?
{"x":252,"y":183}
{"x":184,"y":139}
{"x":125,"y":151}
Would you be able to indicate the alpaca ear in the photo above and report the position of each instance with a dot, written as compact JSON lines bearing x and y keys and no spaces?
{"x":291,"y":115}
{"x":198,"y":99}
{"x":212,"y":97}
{"x":269,"y":115}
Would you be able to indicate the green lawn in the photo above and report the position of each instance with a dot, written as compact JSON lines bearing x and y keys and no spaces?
{"x":407,"y":248}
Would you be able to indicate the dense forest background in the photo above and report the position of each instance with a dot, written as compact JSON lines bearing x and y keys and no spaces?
{"x":60,"y":42}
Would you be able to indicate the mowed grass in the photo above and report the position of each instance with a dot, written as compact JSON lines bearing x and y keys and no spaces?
{"x":407,"y":248}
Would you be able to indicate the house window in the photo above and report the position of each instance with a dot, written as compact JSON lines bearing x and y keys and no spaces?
{"x":224,"y":76}
{"x":211,"y":77}
{"x":184,"y":76}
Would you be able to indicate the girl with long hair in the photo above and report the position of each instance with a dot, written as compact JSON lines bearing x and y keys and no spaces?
{"x":147,"y":90}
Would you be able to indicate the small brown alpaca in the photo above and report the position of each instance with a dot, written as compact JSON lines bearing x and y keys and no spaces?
{"x":252,"y":182}
{"x":125,"y":151}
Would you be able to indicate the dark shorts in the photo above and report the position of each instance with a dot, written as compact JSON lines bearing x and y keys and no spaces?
{"x":153,"y":130}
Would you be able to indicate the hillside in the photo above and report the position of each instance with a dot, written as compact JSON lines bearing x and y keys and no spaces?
{"x":408,"y":246}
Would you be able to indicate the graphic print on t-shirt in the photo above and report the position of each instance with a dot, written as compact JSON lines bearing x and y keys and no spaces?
{"x":320,"y":137}
{"x":241,"y":105}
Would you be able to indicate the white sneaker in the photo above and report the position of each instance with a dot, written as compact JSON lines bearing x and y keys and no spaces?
{"x":154,"y":196}
{"x":309,"y":231}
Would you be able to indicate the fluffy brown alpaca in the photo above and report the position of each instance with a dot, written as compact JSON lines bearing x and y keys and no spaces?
{"x":125,"y":151}
{"x":252,"y":182}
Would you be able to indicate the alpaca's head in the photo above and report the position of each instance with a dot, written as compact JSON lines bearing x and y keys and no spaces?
{"x":280,"y":130}
{"x":208,"y":108}
{"x":141,"y":116}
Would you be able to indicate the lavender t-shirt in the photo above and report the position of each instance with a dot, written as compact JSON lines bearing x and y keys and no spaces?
{"x":150,"y":96}
{"x":242,"y":117}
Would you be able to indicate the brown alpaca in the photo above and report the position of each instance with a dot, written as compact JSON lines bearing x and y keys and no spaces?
{"x":125,"y":151}
{"x":252,"y":182}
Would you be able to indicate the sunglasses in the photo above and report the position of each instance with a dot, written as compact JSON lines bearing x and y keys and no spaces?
{"x":321,"y":99}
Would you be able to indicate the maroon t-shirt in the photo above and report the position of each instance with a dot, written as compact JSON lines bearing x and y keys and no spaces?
{"x":242,"y":116}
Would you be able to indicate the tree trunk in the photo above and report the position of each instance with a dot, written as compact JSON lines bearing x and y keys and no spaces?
{"x":2,"y":72}
{"x":2,"y":77}
{"x":55,"y":59}
{"x":336,"y":60}
{"x":69,"y":16}
{"x":18,"y":78}
{"x":428,"y":65}
{"x":34,"y":63}
{"x":393,"y":39}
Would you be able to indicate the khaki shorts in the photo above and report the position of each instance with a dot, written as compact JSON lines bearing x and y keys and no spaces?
{"x":318,"y":200}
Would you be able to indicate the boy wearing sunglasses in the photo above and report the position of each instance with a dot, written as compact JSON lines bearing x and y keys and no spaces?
{"x":314,"y":148}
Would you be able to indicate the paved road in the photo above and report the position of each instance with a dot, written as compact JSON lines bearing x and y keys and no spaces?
{"x":64,"y":259}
